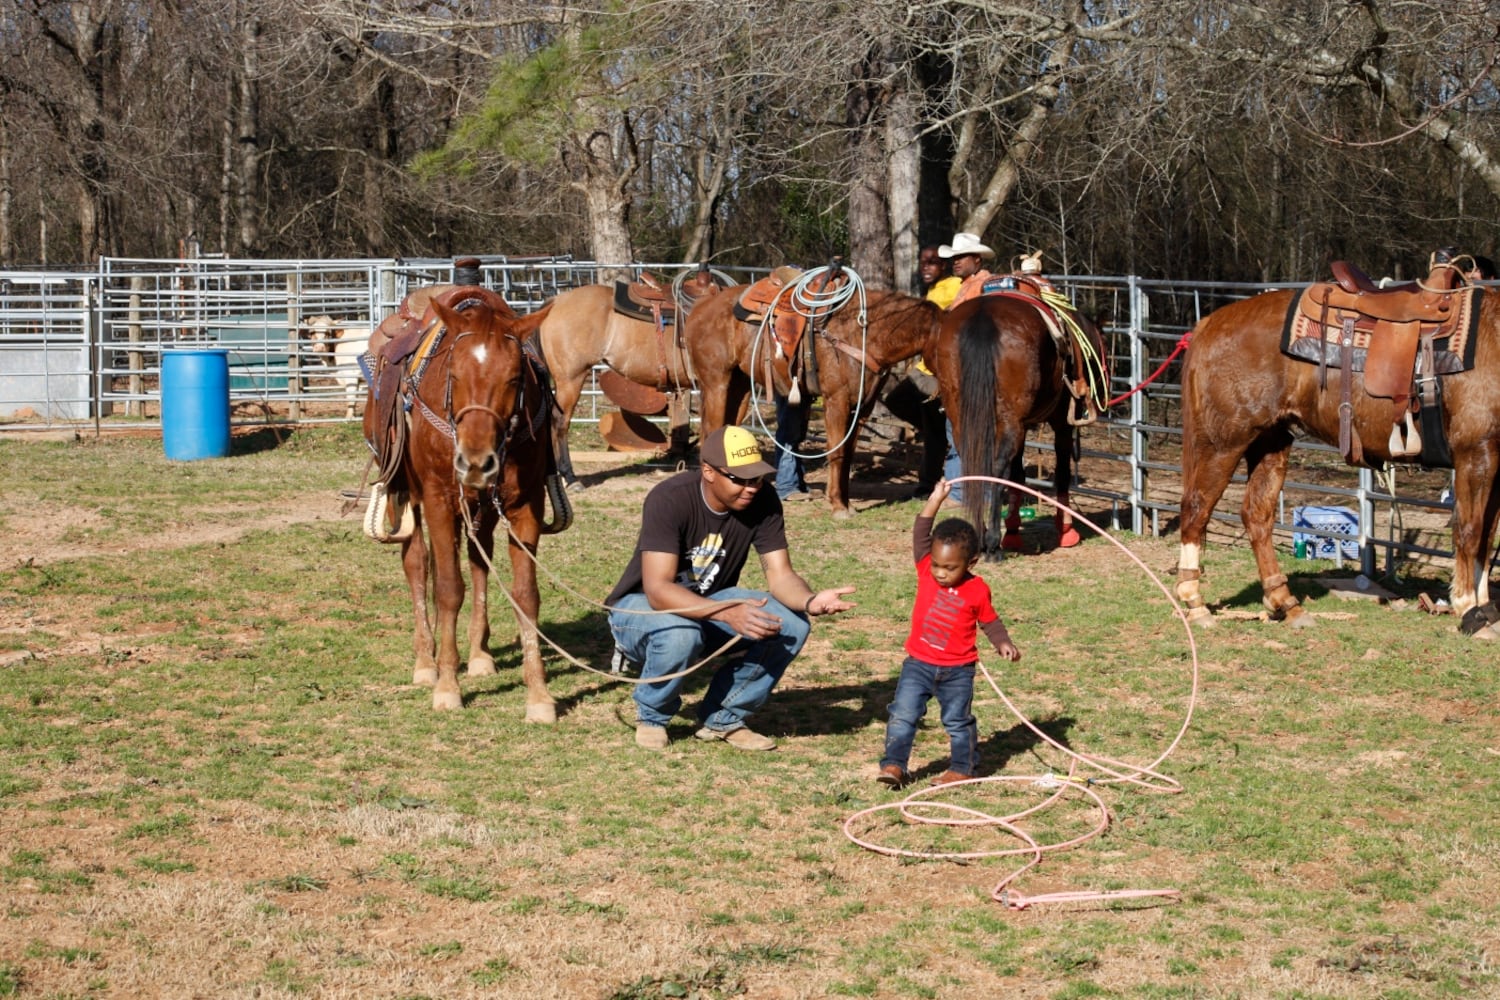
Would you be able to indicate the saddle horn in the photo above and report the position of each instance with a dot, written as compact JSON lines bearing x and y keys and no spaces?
{"x":466,"y":271}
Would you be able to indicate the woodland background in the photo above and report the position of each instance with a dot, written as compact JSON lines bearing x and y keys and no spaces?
{"x":1213,"y":139}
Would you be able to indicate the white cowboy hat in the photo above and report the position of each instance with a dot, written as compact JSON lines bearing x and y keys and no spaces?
{"x":965,"y":243}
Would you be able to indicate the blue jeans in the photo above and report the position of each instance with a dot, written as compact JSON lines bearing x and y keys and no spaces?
{"x":954,"y":687}
{"x":952,"y":467}
{"x":791,"y":429}
{"x":666,"y":644}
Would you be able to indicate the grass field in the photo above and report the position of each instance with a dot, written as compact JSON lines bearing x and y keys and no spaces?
{"x":217,"y":781}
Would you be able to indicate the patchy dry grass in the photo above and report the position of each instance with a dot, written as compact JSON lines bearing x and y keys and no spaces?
{"x":215,"y":779}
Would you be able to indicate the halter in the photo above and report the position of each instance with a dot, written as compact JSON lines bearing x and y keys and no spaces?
{"x":448,"y":426}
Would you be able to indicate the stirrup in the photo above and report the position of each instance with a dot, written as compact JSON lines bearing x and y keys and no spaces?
{"x":376,"y":524}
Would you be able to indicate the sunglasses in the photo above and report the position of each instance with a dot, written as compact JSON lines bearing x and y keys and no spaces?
{"x":740,"y":480}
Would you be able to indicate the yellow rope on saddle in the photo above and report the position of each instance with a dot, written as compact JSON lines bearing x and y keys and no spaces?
{"x":1093,"y":364}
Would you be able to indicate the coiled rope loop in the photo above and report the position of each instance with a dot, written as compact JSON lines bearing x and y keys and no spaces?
{"x":815,"y":302}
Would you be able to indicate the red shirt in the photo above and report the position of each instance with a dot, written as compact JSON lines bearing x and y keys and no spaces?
{"x":945,"y":620}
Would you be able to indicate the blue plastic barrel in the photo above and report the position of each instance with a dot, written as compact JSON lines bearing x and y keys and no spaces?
{"x":195,"y":404}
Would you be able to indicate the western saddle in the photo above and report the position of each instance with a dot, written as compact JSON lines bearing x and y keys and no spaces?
{"x":1389,"y":333}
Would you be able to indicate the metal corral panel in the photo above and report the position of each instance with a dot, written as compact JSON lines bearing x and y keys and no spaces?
{"x":53,"y":381}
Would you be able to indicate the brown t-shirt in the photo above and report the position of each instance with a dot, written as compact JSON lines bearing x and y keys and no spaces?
{"x":710,"y":547}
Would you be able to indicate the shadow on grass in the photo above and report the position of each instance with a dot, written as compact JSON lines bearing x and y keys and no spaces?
{"x":257,"y":441}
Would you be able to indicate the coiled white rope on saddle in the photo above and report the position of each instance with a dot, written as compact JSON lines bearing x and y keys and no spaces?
{"x":812,"y":303}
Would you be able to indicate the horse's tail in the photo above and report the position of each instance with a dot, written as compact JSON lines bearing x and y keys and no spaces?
{"x":562,"y":507}
{"x":978,"y":363}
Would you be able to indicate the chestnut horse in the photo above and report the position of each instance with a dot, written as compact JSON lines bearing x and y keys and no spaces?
{"x":477,"y":450}
{"x":1001,"y":371}
{"x":1242,"y":398}
{"x":580,"y":328}
{"x":851,"y":361}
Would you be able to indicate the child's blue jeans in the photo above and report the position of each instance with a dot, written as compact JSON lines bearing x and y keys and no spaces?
{"x":954,"y":688}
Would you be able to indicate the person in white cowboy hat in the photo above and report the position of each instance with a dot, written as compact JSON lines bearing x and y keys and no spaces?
{"x":968,"y":256}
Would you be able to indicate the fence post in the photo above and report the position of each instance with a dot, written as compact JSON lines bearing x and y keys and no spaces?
{"x":294,"y":348}
{"x":134,"y":407}
{"x":1140,"y":439}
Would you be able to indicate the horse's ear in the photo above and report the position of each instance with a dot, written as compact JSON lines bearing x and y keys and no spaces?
{"x":525,"y":326}
{"x":445,"y":316}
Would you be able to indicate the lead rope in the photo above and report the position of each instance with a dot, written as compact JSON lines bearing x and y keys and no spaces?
{"x":921,"y":806}
{"x":472,"y":532}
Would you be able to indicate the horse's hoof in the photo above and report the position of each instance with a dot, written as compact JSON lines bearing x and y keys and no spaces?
{"x":424,"y":676}
{"x":1011,"y":542}
{"x":1201,"y":617}
{"x":481,"y":666}
{"x":1069,"y":538}
{"x":1487,"y":633}
{"x":842,"y":513}
{"x":1297,"y":618}
{"x":576,"y":486}
{"x":446,"y":701}
{"x":544,"y":713}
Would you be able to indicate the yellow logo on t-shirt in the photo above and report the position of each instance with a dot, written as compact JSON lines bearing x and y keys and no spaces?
{"x":704,"y":559}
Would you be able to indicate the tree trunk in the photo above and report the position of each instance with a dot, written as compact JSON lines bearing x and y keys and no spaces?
{"x":601,"y":166}
{"x":247,"y":139}
{"x":869,"y":211}
{"x":904,"y":164}
{"x":7,"y":248}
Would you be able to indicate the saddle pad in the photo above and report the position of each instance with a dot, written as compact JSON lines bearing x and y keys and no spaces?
{"x":630,"y":305}
{"x":1304,"y":338}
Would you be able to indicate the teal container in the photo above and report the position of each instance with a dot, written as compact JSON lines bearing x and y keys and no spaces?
{"x":195,"y":404}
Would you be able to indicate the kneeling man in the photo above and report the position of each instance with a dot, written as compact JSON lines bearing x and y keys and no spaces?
{"x":681,"y":592}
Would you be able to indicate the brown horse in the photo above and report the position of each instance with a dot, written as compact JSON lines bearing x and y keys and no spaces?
{"x":477,"y":450}
{"x":1001,"y":371}
{"x":850,"y":359}
{"x":581,"y":328}
{"x":1242,"y":398}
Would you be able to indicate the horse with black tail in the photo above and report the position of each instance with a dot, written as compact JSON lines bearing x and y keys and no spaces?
{"x":1006,"y":362}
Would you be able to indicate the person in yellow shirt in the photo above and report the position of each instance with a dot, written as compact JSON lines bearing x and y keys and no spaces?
{"x":941,"y":284}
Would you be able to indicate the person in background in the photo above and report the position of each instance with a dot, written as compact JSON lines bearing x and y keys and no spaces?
{"x":791,"y":431}
{"x":951,"y":606}
{"x":967,"y":255}
{"x":680,"y":592}
{"x":940,"y":285}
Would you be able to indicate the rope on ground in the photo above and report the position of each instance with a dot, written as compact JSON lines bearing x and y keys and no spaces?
{"x":925,"y":806}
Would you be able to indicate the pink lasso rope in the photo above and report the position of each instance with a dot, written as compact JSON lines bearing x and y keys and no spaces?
{"x":923,"y":807}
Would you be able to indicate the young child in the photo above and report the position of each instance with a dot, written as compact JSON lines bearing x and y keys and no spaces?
{"x":952,"y":604}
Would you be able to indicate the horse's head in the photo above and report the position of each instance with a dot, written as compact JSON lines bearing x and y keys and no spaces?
{"x":483,"y":389}
{"x":321,"y":332}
